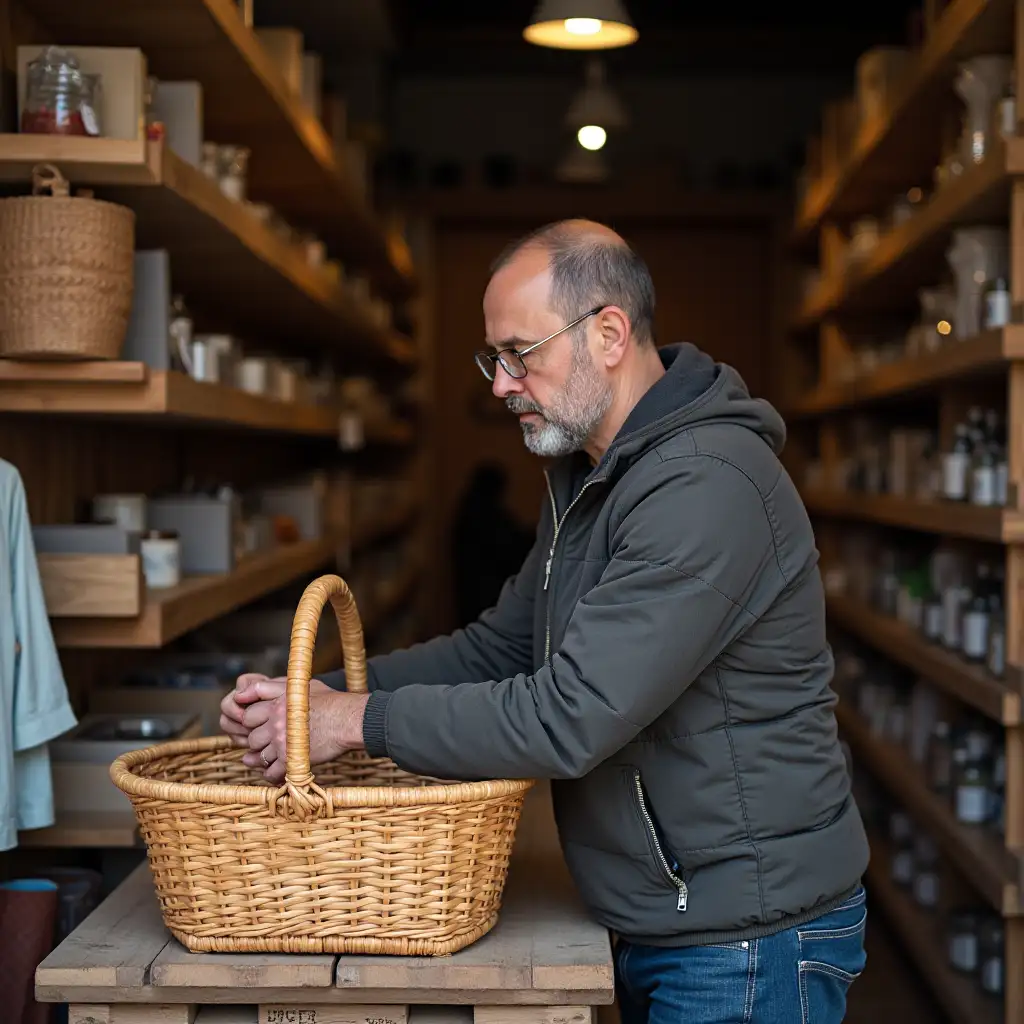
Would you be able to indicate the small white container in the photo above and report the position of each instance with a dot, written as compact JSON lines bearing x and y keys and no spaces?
{"x":161,"y":559}
{"x":125,"y":510}
{"x":254,"y":375}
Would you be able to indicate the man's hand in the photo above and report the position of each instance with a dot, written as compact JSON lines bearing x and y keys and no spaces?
{"x":242,"y":714}
{"x":254,"y":715}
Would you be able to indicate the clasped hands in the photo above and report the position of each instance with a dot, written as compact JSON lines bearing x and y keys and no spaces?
{"x":254,"y":715}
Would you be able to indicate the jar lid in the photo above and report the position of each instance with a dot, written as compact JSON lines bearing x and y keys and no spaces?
{"x":160,"y":535}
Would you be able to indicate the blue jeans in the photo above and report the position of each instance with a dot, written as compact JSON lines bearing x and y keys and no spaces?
{"x":798,"y":976}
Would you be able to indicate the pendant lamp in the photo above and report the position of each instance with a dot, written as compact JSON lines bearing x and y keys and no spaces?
{"x":580,"y":25}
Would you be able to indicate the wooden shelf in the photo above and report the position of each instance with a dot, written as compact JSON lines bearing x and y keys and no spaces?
{"x":979,"y":853}
{"x":246,"y":101}
{"x":167,"y":614}
{"x":948,"y":518}
{"x":898,"y":151}
{"x":133,"y":391}
{"x":232,"y":269}
{"x":913,"y":253}
{"x":999,"y":699}
{"x":989,"y":353}
{"x":76,"y":830}
{"x":925,"y":940}
{"x":118,"y":390}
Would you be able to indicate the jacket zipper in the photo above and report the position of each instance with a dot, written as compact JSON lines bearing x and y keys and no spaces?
{"x":551,"y":555}
{"x":679,"y":883}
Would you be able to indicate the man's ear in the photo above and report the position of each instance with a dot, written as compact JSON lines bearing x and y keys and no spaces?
{"x":615,"y":329}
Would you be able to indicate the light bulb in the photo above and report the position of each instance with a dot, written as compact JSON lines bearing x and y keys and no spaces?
{"x":592,"y":136}
{"x":582,"y":26}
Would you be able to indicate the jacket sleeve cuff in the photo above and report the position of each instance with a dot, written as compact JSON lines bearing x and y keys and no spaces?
{"x":375,"y":719}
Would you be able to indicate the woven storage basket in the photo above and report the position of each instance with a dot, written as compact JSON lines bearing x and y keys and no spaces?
{"x":365,"y":859}
{"x":66,"y":273}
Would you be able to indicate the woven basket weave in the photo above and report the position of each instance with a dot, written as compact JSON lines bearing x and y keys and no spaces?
{"x":66,"y":273}
{"x":365,"y":859}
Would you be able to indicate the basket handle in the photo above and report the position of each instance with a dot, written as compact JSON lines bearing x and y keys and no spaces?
{"x":48,"y":177}
{"x":298,"y":776}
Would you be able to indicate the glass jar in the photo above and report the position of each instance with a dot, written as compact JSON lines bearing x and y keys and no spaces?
{"x":991,"y":955}
{"x":963,"y":941}
{"x":60,"y":98}
{"x":902,"y":866}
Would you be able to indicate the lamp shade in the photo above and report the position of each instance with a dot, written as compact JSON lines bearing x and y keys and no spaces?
{"x":580,"y":25}
{"x":595,"y":103}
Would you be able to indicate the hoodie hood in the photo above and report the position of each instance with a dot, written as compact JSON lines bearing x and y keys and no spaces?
{"x":694,"y":390}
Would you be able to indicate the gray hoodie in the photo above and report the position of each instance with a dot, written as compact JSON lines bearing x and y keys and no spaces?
{"x":661,"y":656}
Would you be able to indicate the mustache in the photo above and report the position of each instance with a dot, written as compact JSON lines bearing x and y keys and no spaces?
{"x":520,"y":404}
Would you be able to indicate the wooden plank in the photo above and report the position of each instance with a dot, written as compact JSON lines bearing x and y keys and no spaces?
{"x":532,"y":1015}
{"x":113,"y":1013}
{"x":948,"y":518}
{"x":907,"y":254}
{"x":992,"y":869}
{"x":888,"y":153}
{"x":999,"y":699}
{"x":89,"y":371}
{"x":373,"y":529}
{"x":960,"y":995}
{"x":245,"y":100}
{"x":168,"y":614}
{"x":76,"y":585}
{"x":158,"y":396}
{"x":81,"y":159}
{"x":112,"y":949}
{"x":244,"y":975}
{"x":83,"y":830}
{"x":323,"y":1013}
{"x":989,"y":353}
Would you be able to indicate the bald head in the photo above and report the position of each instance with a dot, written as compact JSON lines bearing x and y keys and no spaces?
{"x":591,"y":265}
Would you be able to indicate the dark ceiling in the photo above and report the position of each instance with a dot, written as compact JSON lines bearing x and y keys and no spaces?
{"x":676,"y":36}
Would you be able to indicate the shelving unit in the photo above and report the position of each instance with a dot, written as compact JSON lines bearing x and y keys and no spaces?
{"x":246,"y":100}
{"x":76,"y":429}
{"x":263,"y":283}
{"x":833,"y":392}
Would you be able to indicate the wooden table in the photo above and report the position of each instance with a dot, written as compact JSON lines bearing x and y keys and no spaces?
{"x":545,"y":962}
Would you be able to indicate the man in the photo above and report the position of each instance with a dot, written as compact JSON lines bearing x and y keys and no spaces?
{"x":661,"y":656}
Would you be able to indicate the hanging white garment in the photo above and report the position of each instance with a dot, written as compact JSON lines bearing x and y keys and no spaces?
{"x":34,"y":704}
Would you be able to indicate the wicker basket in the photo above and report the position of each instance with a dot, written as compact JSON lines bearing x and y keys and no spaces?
{"x":66,"y":273}
{"x":366,"y":859}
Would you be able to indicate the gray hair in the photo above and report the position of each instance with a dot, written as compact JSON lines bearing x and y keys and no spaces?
{"x":589,"y":270}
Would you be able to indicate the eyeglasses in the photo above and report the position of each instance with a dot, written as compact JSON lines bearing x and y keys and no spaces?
{"x":511,"y":359}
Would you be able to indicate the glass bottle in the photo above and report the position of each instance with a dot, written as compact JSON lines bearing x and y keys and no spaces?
{"x":976,"y":618}
{"x":956,"y":465}
{"x":991,"y":953}
{"x":940,"y":758}
{"x":984,"y":472}
{"x":933,"y":617}
{"x":963,"y":941}
{"x":972,"y":795}
{"x":997,"y":306}
{"x":995,"y":660}
{"x":180,"y":331}
{"x":926,"y":872}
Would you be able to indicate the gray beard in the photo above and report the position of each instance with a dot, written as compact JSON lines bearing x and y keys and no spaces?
{"x":572,"y":418}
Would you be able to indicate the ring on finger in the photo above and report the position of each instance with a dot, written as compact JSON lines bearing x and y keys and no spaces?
{"x":263,"y":757}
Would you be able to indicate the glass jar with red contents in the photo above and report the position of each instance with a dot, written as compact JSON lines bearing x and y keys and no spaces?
{"x":60,"y":98}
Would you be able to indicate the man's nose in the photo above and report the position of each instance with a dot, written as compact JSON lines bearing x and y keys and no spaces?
{"x":504,"y":384}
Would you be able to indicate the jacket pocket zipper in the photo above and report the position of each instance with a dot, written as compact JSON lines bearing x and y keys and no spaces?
{"x":681,"y":887}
